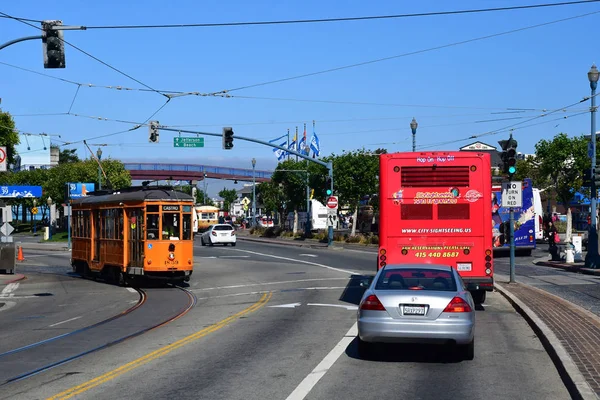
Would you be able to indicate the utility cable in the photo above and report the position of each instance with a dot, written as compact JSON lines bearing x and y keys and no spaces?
{"x":480,"y":38}
{"x":342,"y":19}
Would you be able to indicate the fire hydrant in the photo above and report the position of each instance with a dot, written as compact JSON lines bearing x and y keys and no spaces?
{"x":569,"y":252}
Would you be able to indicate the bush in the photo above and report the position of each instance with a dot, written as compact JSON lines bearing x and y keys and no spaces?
{"x":353,"y":239}
{"x":374,"y":239}
{"x":273,"y":231}
{"x":561,"y":227}
{"x":257,"y":230}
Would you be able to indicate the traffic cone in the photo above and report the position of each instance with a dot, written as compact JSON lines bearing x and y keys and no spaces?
{"x":20,"y":255}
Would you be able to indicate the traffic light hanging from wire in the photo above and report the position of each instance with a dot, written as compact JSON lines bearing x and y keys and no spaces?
{"x":53,"y":44}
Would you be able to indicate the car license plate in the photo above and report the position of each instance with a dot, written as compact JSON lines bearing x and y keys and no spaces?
{"x":223,"y":234}
{"x":463,"y":266}
{"x":413,"y":310}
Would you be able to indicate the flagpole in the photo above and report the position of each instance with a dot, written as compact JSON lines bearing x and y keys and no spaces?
{"x":288,"y":144}
{"x":296,"y":136}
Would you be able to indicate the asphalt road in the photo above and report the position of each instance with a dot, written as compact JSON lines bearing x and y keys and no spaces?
{"x":279,"y":322}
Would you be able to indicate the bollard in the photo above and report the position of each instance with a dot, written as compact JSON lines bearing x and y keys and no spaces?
{"x":570,"y":253}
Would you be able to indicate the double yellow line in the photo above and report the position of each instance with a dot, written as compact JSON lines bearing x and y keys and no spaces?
{"x":67,"y":394}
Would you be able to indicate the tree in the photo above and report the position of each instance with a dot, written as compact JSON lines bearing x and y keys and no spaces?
{"x":9,"y":136}
{"x":291,"y":175}
{"x":67,"y":156}
{"x":228,"y":196}
{"x":563,"y":161}
{"x":271,"y":197}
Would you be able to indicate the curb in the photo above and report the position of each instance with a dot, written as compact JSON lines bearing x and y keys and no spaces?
{"x":569,"y":267}
{"x":41,"y":246}
{"x":570,"y":374}
{"x":19,"y":277}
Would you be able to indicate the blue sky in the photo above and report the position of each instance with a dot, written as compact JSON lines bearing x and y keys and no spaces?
{"x":454,"y":93}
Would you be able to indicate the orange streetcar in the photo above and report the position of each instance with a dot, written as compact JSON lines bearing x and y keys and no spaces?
{"x":133,"y":233}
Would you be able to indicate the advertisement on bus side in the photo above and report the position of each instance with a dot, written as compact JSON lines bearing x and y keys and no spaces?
{"x":524,"y":218}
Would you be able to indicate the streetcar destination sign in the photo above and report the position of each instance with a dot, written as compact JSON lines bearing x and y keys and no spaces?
{"x":512,"y":194}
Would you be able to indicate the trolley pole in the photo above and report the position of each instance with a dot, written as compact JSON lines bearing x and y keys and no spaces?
{"x":511,"y":220}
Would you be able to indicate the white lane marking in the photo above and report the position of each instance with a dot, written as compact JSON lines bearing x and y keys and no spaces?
{"x":64,"y":322}
{"x":268,"y":283}
{"x":308,"y":255}
{"x":267,"y":291}
{"x":209,"y":257}
{"x":132,"y":290}
{"x":9,"y":289}
{"x":349,"y":308}
{"x":320,"y":370}
{"x":291,"y":305}
{"x":234,"y":256}
{"x":7,"y":305}
{"x":346,"y":271}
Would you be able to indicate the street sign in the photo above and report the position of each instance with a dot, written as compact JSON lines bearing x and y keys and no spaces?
{"x":3,"y":161}
{"x":188,"y":141}
{"x":512,"y":194}
{"x":245,"y":201}
{"x":332,"y":202}
{"x":6,"y":229}
{"x":332,"y":220}
{"x":34,"y":210}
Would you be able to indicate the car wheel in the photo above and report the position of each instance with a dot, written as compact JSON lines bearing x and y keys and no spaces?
{"x":233,"y":244}
{"x":478,"y":296}
{"x":365,"y":349}
{"x":210,"y":242}
{"x":467,"y":351}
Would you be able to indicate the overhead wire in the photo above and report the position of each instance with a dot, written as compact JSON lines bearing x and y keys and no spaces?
{"x":411,"y":53}
{"x":91,"y":56}
{"x":342,"y":19}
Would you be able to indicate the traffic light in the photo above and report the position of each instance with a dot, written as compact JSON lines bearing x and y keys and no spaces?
{"x":509,"y":156}
{"x":587,"y":177}
{"x":328,"y":191}
{"x":153,"y":135}
{"x":228,"y":138}
{"x":53,"y":45}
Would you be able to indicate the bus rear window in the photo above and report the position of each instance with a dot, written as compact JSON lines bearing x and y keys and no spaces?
{"x":454,"y":211}
{"x":416,"y":211}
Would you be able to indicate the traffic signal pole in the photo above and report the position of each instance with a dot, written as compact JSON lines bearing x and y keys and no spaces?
{"x":511,"y":220}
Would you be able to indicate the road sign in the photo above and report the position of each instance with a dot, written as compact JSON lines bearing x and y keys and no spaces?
{"x":245,"y":201}
{"x":3,"y":161}
{"x":332,"y":202}
{"x":34,"y":210}
{"x":332,"y":220}
{"x":6,"y":229}
{"x":512,"y":194}
{"x":188,"y":141}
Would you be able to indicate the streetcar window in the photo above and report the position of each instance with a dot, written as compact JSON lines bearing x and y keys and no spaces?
{"x":171,"y":226}
{"x":187,"y":208}
{"x":152,"y":227}
{"x":152,"y":208}
{"x":187,"y":226}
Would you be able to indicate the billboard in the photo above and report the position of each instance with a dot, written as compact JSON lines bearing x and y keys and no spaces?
{"x":79,"y":190}
{"x":15,"y":192}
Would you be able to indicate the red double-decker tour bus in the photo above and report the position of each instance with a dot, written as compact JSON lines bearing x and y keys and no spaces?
{"x":435,"y":208}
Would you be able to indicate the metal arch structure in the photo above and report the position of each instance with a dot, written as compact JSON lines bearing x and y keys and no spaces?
{"x":188,"y":172}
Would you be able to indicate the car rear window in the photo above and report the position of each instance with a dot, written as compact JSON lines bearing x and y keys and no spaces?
{"x":416,"y":279}
{"x":223,"y":228}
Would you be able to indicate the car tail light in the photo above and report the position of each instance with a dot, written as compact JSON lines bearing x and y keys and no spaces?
{"x":232,"y":233}
{"x":372,"y":303}
{"x":213,"y":233}
{"x":541,"y":223}
{"x":458,"y":304}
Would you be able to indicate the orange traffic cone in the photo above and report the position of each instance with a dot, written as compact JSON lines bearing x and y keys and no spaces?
{"x":20,"y":255}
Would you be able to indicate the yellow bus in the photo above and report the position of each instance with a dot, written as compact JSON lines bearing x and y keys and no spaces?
{"x":205,"y":217}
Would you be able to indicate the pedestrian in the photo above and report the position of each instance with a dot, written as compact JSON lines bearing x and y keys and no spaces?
{"x":552,"y":241}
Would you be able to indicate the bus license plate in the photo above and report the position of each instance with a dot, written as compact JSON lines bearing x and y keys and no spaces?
{"x":463,"y":266}
{"x":413,"y":310}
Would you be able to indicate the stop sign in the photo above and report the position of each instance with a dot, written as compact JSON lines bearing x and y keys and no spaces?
{"x":332,"y":202}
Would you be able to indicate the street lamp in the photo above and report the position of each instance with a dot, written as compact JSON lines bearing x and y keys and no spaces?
{"x":413,"y":128}
{"x":49,"y":202}
{"x":99,"y":154}
{"x":34,"y":221}
{"x":253,"y":192}
{"x":591,"y":258}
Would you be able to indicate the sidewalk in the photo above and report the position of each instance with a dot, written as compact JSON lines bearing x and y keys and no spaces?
{"x":577,"y":266}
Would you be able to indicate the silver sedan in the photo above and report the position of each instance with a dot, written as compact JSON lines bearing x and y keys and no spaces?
{"x":417,"y":303}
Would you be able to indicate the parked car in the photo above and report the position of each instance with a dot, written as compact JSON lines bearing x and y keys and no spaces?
{"x":417,"y":303}
{"x":218,"y":234}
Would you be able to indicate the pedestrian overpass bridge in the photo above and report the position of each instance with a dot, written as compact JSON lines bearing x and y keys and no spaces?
{"x":188,"y":172}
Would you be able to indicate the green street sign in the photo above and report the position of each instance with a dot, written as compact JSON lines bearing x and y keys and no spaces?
{"x":188,"y":141}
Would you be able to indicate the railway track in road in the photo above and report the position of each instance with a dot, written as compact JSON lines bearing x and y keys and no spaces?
{"x":155,"y":308}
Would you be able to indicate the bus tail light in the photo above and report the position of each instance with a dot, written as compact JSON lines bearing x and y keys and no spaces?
{"x":458,"y":305}
{"x":372,"y":303}
{"x":381,"y":258}
{"x":466,"y":251}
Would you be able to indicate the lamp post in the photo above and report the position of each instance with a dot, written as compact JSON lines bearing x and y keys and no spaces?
{"x":308,"y":209}
{"x":49,"y":202}
{"x":99,"y":154}
{"x":204,"y":191}
{"x":413,"y":128}
{"x":253,"y":222}
{"x":591,"y":258}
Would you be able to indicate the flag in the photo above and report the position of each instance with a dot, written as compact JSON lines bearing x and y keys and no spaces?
{"x":280,"y":154}
{"x":292,"y":145}
{"x":302,"y":146}
{"x":314,"y":144}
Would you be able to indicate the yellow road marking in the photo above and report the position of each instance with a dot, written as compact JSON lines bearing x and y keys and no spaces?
{"x":67,"y":394}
